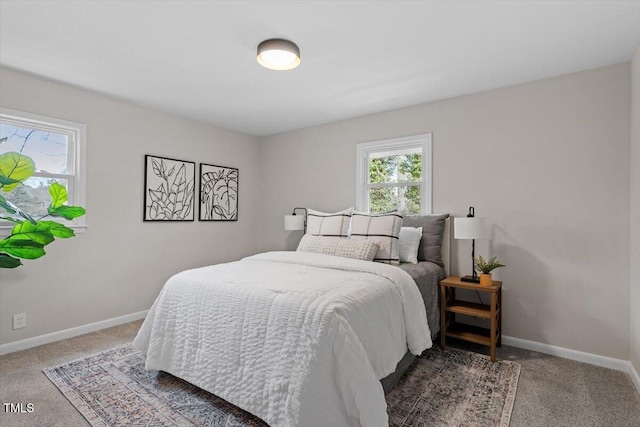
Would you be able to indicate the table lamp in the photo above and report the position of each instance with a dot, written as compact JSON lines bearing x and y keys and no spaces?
{"x":471,"y":228}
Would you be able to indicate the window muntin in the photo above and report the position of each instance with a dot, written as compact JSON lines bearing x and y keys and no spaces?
{"x":57,"y":148}
{"x":395,"y":174}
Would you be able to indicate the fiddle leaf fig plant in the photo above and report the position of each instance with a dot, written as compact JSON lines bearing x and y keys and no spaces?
{"x":487,"y":267}
{"x":30,"y":235}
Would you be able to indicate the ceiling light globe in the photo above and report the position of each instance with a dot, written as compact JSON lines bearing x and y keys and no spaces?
{"x":278,"y":54}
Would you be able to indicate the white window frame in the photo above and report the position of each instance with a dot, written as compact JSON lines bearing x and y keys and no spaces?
{"x":76,"y":147}
{"x":364,"y":150}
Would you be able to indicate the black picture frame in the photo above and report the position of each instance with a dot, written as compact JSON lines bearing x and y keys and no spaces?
{"x":219,"y":190}
{"x":164,"y":177}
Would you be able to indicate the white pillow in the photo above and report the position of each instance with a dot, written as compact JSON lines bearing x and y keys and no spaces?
{"x":329,"y":224}
{"x":409,"y":243}
{"x":384,"y":229}
{"x":339,"y":246}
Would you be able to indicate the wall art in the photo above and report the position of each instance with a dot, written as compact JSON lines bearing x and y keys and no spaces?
{"x":169,"y":191}
{"x":218,"y":193}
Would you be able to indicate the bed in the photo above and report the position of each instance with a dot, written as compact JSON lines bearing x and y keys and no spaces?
{"x":427,"y":276}
{"x":297,"y":339}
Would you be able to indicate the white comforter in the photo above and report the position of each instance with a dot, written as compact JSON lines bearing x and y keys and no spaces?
{"x":297,"y":339}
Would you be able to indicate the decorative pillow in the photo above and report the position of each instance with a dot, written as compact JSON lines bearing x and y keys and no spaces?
{"x":432,"y":232}
{"x":409,"y":244}
{"x":339,"y":246}
{"x":329,"y":224}
{"x":384,"y":229}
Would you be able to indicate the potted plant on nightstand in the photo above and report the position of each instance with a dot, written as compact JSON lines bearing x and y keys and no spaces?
{"x":485,"y":268}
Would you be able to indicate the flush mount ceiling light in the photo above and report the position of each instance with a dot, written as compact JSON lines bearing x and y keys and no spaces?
{"x":278,"y":54}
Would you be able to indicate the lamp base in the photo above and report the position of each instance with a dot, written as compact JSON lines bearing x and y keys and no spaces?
{"x":470,"y":279}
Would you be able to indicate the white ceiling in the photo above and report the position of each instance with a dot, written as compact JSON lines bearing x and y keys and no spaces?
{"x":197,"y":58}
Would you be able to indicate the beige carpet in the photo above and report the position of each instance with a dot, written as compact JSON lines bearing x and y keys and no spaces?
{"x":551,"y":391}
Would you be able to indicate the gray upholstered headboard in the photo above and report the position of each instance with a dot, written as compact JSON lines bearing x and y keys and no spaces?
{"x":446,"y":246}
{"x":435,"y":245}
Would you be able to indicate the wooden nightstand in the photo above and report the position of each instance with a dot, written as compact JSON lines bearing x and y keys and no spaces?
{"x":449,"y":306}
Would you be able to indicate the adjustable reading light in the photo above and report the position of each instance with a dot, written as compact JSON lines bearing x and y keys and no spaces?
{"x":472,"y":228}
{"x":296,"y":222}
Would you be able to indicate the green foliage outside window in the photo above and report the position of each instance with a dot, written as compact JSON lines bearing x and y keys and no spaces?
{"x":395,"y":169}
{"x":31,"y":232}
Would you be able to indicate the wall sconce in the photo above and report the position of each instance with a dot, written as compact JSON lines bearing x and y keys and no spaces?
{"x":296,"y":222}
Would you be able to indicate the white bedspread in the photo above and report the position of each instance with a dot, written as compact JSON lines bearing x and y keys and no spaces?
{"x":297,"y":339}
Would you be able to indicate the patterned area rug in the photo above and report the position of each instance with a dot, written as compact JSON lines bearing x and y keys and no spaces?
{"x":454,"y":388}
{"x":442,"y":388}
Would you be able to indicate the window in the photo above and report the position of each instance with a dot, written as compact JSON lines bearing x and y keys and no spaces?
{"x":395,"y":174}
{"x":58,"y":149}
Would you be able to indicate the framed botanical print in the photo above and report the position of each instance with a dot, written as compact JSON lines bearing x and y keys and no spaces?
{"x":169,"y":189}
{"x":218,"y":193}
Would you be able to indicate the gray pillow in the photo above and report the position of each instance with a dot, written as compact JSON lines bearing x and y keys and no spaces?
{"x":432,"y":232}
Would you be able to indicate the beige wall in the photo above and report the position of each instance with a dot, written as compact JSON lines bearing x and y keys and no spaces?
{"x":635,"y":211}
{"x":546,"y":162}
{"x":118,"y":266}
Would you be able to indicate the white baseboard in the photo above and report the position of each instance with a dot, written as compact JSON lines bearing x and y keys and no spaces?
{"x":580,"y":356}
{"x":634,"y":376}
{"x":567,"y":353}
{"x":69,"y":333}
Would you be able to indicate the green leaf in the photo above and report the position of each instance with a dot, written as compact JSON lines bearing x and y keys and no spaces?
{"x":15,"y":167}
{"x":39,"y":233}
{"x":6,"y":206}
{"x":7,"y":261}
{"x":57,"y":229}
{"x":58,"y":195}
{"x":27,"y":249}
{"x":4,"y":181}
{"x":67,"y":212}
{"x":11,"y":208}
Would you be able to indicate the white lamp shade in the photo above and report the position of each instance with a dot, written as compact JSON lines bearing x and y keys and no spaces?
{"x":470,"y":228}
{"x":294,"y":222}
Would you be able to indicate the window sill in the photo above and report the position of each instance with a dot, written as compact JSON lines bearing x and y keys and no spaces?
{"x":5,"y":228}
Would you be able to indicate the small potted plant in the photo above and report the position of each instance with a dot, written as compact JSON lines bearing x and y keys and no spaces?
{"x":485,"y":268}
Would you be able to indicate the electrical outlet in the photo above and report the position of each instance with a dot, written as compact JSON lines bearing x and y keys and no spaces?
{"x":19,"y":320}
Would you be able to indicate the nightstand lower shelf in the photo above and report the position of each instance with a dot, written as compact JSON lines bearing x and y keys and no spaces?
{"x":470,"y":309}
{"x":469,"y":333}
